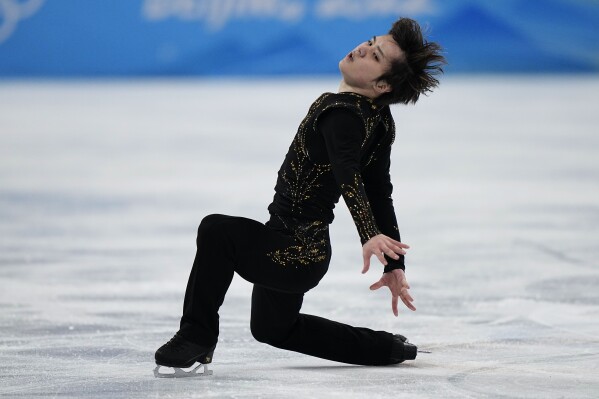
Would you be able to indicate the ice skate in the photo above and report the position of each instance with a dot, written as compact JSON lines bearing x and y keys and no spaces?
{"x":407,"y":341}
{"x":178,"y":372}
{"x":402,"y":350}
{"x":180,"y":358}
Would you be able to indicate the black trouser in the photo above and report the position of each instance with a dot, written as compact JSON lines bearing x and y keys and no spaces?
{"x":283,"y":258}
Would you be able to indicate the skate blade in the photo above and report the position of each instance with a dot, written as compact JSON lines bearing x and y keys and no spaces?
{"x":176,"y":372}
{"x":423,"y":351}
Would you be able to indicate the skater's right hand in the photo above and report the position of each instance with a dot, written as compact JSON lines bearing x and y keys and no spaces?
{"x":381,"y":245}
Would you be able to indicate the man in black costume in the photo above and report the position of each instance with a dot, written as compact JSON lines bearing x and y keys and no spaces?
{"x":342,"y":148}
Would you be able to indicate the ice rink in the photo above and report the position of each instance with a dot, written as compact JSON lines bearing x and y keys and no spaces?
{"x":103,"y":185}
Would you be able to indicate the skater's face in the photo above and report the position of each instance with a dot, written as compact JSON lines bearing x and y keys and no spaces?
{"x":365,"y":64}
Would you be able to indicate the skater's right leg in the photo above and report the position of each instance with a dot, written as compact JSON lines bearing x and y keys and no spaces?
{"x":276,"y":320}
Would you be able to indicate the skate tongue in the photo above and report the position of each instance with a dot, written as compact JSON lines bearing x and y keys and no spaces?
{"x":176,"y":372}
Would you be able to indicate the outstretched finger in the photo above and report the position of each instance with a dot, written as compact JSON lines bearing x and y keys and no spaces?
{"x":394,"y":305}
{"x":400,"y":244}
{"x":407,"y":302}
{"x":366,"y":263}
{"x":393,"y":254}
{"x":376,"y":285}
{"x":381,"y":258}
{"x":406,"y":294}
{"x":397,"y":249}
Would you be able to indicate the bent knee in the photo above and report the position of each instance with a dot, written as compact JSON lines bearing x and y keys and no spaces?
{"x":210,"y":221}
{"x":267,"y":334}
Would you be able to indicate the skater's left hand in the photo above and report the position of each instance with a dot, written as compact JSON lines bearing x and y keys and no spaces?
{"x":398,"y":285}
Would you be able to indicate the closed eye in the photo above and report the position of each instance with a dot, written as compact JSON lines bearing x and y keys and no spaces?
{"x":370,"y":43}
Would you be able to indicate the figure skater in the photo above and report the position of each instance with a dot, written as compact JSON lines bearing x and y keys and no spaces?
{"x":342,"y":148}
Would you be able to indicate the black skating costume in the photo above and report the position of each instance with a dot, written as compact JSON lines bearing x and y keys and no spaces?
{"x":342,"y":147}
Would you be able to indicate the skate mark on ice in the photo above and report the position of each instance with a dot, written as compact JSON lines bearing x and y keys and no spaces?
{"x":559,"y":255}
{"x":580,"y":289}
{"x":493,"y":382}
{"x":522,"y":373}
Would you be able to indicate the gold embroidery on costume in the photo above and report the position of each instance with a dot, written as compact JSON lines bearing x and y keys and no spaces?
{"x":359,"y":208}
{"x":306,"y":185}
{"x":389,"y":125}
{"x":305,"y":174}
{"x":370,"y":122}
{"x":312,"y":248}
{"x":304,"y":179}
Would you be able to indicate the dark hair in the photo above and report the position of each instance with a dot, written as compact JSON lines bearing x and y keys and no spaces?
{"x":413,"y":74}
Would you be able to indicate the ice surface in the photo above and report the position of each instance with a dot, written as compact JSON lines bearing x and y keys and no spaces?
{"x":103,"y":184}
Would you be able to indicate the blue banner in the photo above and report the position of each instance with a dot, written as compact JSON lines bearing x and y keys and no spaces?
{"x":63,"y":38}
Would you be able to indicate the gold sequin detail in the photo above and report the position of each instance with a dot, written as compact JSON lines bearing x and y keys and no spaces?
{"x":312,"y":246}
{"x":370,"y":122}
{"x":305,"y":174}
{"x":302,"y":177}
{"x":360,"y":209}
{"x":389,"y":125}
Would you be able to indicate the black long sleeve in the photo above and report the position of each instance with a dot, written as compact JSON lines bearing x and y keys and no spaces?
{"x":343,"y":135}
{"x":378,"y":186}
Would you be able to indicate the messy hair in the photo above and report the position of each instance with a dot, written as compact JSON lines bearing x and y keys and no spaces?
{"x":414,"y":73}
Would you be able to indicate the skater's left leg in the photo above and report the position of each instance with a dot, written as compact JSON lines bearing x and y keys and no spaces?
{"x":229,"y":244}
{"x":276,"y":321}
{"x":268,"y":254}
